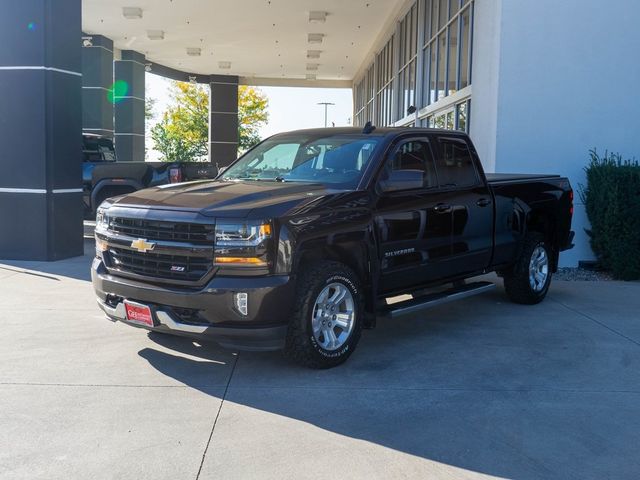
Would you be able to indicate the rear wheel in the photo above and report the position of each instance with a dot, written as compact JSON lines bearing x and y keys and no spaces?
{"x":326,"y":322}
{"x":530,"y":278}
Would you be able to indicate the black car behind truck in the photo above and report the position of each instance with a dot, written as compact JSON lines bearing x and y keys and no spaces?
{"x":302,"y":241}
{"x":103,"y":177}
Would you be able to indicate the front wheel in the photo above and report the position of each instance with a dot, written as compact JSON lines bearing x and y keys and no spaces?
{"x":530,"y":278}
{"x":326,"y":323}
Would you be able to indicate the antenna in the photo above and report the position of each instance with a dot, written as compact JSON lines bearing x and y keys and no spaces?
{"x":368,"y":128}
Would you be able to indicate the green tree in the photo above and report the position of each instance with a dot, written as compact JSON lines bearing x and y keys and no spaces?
{"x":183,"y":132}
{"x":252,"y":114}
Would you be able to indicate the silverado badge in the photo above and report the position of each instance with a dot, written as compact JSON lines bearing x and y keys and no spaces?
{"x":142,"y":245}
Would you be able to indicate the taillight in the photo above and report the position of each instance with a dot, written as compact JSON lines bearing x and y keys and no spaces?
{"x":175,"y":175}
{"x":571,"y":202}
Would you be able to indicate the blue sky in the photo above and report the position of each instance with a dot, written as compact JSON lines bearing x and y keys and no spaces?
{"x":289,"y":108}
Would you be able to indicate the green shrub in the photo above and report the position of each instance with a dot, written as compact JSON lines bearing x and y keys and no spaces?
{"x":612,"y":201}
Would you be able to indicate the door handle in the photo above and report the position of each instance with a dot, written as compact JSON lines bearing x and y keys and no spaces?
{"x":442,"y":208}
{"x":483,"y":202}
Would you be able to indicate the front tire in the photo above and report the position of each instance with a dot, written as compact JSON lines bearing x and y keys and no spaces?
{"x":528,"y":282}
{"x":327,"y":316}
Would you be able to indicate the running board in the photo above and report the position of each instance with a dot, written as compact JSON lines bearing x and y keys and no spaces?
{"x":433,"y":299}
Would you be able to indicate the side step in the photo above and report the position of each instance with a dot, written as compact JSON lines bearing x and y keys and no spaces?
{"x":433,"y":299}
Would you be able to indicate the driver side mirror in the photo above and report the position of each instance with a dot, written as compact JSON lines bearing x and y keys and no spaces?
{"x":403,"y":180}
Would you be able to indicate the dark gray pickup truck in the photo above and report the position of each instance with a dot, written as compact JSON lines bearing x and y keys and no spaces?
{"x":104,"y":177}
{"x":305,"y":240}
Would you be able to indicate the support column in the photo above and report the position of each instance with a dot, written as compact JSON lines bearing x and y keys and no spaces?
{"x":223,"y":119}
{"x":97,"y":77}
{"x":128,"y":97}
{"x":40,"y":130}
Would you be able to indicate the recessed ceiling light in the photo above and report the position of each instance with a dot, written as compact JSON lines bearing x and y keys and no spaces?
{"x":310,"y":76}
{"x":224,"y":65}
{"x":315,"y":38}
{"x":317,"y":17}
{"x":312,"y":66}
{"x":155,"y":34}
{"x":194,"y":51}
{"x":313,"y":53}
{"x":132,"y":13}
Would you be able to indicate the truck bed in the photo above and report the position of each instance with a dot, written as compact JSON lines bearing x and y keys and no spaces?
{"x":500,"y":178}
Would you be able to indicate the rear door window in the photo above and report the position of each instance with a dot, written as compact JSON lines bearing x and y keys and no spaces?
{"x":454,"y":164}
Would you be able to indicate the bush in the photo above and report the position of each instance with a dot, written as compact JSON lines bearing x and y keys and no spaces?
{"x":612,"y":201}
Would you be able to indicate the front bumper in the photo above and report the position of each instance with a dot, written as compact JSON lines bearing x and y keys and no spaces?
{"x":206,"y":313}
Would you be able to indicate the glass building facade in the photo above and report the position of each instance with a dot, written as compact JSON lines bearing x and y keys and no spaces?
{"x":422,"y":75}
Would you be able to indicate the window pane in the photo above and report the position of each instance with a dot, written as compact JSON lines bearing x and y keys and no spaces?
{"x":426,"y":18}
{"x":433,"y":92}
{"x":425,"y":76}
{"x":439,"y":121}
{"x":443,"y":13}
{"x":462,"y":116}
{"x":434,"y":17}
{"x":410,"y":94}
{"x":455,"y":165}
{"x":455,"y":6}
{"x":442,"y":64}
{"x":465,"y":48}
{"x":453,"y":58}
{"x":450,"y":120}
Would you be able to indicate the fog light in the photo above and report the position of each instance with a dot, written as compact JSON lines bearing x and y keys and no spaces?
{"x":241,"y":301}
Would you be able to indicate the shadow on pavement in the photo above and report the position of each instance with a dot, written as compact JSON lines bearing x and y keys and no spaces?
{"x":78,"y":268}
{"x":468,"y":385}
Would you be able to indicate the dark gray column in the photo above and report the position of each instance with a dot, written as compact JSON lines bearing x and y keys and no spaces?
{"x":40,"y":130}
{"x":223,"y":119}
{"x":97,"y":78}
{"x":129,"y":106}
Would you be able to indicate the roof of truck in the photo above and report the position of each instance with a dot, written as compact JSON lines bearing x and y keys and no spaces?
{"x":376,"y":131}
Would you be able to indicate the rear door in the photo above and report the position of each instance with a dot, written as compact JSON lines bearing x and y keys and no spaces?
{"x":464,"y":189}
{"x":413,"y":231}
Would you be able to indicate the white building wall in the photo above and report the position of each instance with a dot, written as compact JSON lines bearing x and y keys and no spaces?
{"x":485,"y":73}
{"x":566,"y":81}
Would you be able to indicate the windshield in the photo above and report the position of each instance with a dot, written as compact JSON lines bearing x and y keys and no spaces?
{"x":335,"y":160}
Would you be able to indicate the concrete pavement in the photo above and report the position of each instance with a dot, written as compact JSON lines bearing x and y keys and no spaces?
{"x":481,"y":388}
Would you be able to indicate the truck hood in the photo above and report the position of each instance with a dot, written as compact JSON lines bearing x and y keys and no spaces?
{"x":229,"y":198}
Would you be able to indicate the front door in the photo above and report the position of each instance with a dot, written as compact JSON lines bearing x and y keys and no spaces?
{"x":413,"y":229}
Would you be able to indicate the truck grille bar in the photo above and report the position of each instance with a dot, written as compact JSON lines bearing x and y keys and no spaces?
{"x":183,"y":268}
{"x":196,"y":233}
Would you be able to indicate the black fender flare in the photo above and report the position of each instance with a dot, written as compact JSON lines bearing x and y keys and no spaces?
{"x":108,"y":182}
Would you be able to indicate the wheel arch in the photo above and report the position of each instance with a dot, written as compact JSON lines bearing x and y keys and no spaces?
{"x":111,"y":188}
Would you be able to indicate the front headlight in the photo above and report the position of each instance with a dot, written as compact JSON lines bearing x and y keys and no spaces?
{"x":102,"y":219}
{"x":242,"y":244}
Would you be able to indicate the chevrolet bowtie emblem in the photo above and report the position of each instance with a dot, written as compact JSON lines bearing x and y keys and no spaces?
{"x":142,"y":245}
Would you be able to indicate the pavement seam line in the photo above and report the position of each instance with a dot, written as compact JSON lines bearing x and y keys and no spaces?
{"x":612,"y":330}
{"x":215,"y":421}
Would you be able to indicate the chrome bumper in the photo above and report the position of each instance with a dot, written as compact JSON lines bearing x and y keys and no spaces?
{"x":118,"y":313}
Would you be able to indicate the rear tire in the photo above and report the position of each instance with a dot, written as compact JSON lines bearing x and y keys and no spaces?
{"x":327,"y":316}
{"x":528,"y":282}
